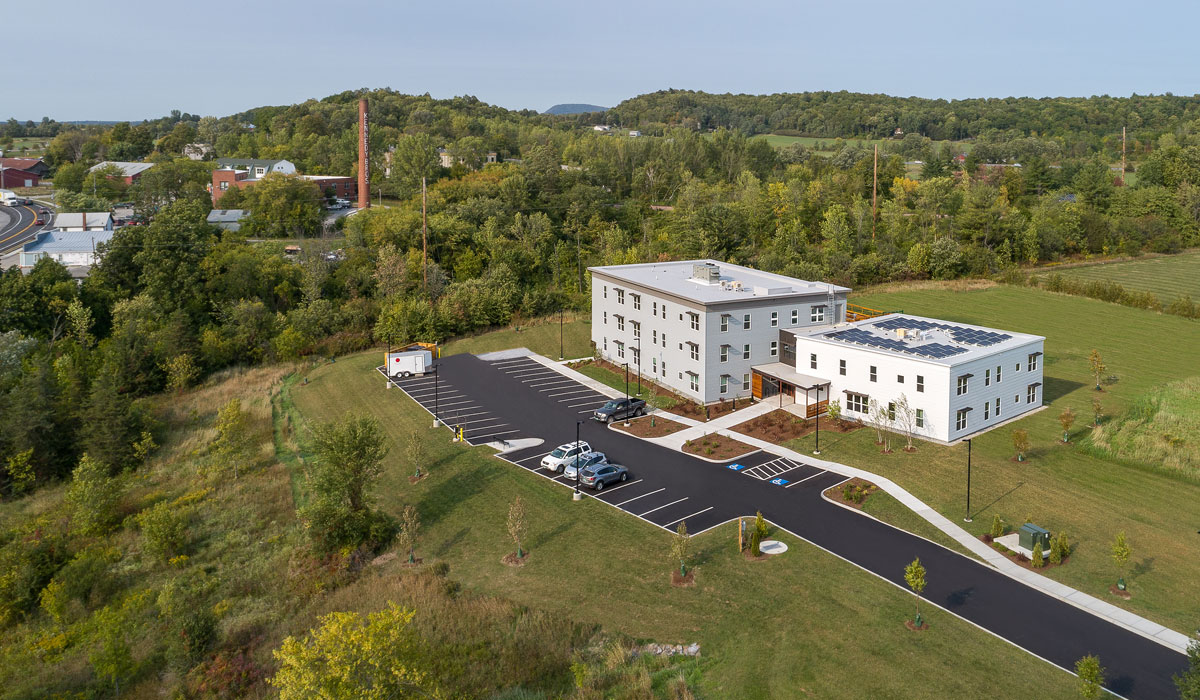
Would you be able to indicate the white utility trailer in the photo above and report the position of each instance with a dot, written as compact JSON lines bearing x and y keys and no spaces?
{"x":410,"y":363}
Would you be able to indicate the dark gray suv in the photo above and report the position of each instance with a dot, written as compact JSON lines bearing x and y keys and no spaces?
{"x":600,"y":475}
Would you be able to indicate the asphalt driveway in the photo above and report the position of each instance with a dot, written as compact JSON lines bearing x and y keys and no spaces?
{"x":520,"y":398}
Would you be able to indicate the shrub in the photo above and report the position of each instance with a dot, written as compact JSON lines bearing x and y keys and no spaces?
{"x":441,"y":568}
{"x":997,"y":526}
{"x":1038,"y":560}
{"x":755,"y":543}
{"x":760,"y":525}
{"x":1055,"y":550}
{"x":164,"y":529}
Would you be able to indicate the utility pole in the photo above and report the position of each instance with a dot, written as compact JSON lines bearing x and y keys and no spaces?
{"x":1122,"y":156}
{"x":967,"y":519}
{"x":874,"y":191}
{"x":424,"y":242}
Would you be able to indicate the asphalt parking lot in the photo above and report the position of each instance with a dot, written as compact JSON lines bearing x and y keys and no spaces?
{"x":523,"y":398}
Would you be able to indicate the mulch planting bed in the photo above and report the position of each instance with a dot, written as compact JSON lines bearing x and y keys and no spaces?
{"x":1119,"y":593}
{"x":717,"y":447}
{"x":511,"y":559}
{"x":853,"y":493}
{"x":683,"y":581}
{"x":645,"y":428}
{"x":750,"y":557}
{"x":1021,"y":559}
{"x":912,"y":627}
{"x":680,"y":405}
{"x":780,"y":426}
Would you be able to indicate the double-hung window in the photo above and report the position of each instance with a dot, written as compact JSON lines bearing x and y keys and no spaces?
{"x":724,"y":323}
{"x":637,"y":301}
{"x":654,"y":337}
{"x":695,"y":320}
{"x":724,"y":383}
{"x":620,"y":296}
{"x":1033,"y":361}
{"x":842,"y":367}
{"x":620,"y":322}
{"x":745,"y":322}
{"x":920,"y":418}
{"x":746,"y":351}
{"x":774,"y":319}
{"x":987,"y":377}
{"x":874,"y":374}
{"x":960,"y":419}
{"x":816,"y":314}
{"x":724,"y":353}
{"x":986,"y":413}
{"x":654,"y":308}
{"x":774,"y":348}
{"x":637,"y":329}
{"x":745,"y":382}
{"x":694,"y":381}
{"x":1031,"y":394}
{"x":998,"y":375}
{"x":921,"y":383}
{"x":606,"y":318}
{"x":812,"y":360}
{"x":795,"y":316}
{"x":997,"y":407}
{"x":961,"y":389}
{"x":695,"y":350}
{"x":620,"y":349}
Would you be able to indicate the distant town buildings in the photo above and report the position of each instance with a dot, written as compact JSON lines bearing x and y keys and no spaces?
{"x":76,"y":250}
{"x":130,"y":172}
{"x":37,"y":166}
{"x":227,"y":219}
{"x":198,"y":151}
{"x":79,"y":221}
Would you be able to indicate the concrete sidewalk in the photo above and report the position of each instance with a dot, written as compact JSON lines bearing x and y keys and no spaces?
{"x":1102,"y":609}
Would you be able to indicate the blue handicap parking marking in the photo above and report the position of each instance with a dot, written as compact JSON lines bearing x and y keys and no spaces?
{"x":779,"y":482}
{"x":735,"y":467}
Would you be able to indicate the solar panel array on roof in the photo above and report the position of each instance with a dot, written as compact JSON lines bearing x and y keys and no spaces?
{"x":960,"y":334}
{"x":860,"y":337}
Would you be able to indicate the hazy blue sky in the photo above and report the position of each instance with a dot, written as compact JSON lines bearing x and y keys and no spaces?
{"x":132,"y":59}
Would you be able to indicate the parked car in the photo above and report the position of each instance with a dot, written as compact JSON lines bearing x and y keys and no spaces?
{"x":563,"y":454}
{"x":620,"y":409}
{"x":600,"y":475}
{"x":588,"y":460}
{"x":341,"y":203}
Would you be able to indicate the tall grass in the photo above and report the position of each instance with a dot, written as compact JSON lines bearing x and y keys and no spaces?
{"x":1160,"y":429}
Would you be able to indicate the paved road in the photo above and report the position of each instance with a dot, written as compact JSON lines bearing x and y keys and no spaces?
{"x":20,"y":227}
{"x":521,"y":398}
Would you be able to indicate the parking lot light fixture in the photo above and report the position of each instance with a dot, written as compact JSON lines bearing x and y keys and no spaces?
{"x":436,"y":421}
{"x":626,"y":393}
{"x":968,"y":518}
{"x":639,"y":363}
{"x":578,"y":476}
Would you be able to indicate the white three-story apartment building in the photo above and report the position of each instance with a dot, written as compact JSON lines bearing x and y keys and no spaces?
{"x":700,"y":326}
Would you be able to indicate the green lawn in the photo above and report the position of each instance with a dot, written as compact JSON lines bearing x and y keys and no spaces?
{"x":832,"y":145}
{"x":34,"y":147}
{"x":806,"y":624}
{"x":1168,"y":276}
{"x":617,"y":381}
{"x":539,"y":335}
{"x":1064,"y":487}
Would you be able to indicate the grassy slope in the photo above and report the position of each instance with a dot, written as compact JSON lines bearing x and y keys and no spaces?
{"x":1168,"y":276}
{"x":540,"y":336}
{"x":806,"y":624}
{"x":1062,"y":487}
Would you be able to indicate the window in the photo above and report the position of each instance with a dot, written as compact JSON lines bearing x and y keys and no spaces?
{"x":653,"y":365}
{"x":694,"y":381}
{"x":774,"y":348}
{"x":745,"y":382}
{"x":606,"y":318}
{"x":774,"y":319}
{"x":816,"y":314}
{"x":920,"y":418}
{"x":606,"y":345}
{"x":998,"y":370}
{"x":795,"y":316}
{"x":1017,"y":367}
{"x":620,"y":296}
{"x":637,"y":329}
{"x":921,"y":383}
{"x":724,"y":323}
{"x":812,"y":360}
{"x":724,"y":353}
{"x":637,"y":356}
{"x":1033,"y":359}
{"x":899,"y":378}
{"x":986,"y":413}
{"x":637,"y":301}
{"x":224,"y":186}
{"x":874,"y":374}
{"x":654,"y":308}
{"x":664,"y":314}
{"x":664,"y":339}
{"x":695,"y":350}
{"x":1016,"y":398}
{"x":724,"y":383}
{"x":1031,"y":393}
{"x":259,"y":171}
{"x":606,"y":291}
{"x":891,"y":414}
{"x":746,"y":351}
{"x":620,"y":349}
{"x":960,"y":419}
{"x":997,"y":407}
{"x":620,"y":322}
{"x":842,"y":367}
{"x":745,"y":322}
{"x":987,"y":377}
{"x":695,"y":321}
{"x":856,"y":403}
{"x":962,"y":386}
{"x":664,"y":368}
{"x":654,"y":337}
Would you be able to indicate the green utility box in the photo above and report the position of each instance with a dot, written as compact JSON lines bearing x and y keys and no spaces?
{"x":1030,"y":533}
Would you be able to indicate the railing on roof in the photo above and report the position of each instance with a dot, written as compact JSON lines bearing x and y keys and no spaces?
{"x":854,"y":312}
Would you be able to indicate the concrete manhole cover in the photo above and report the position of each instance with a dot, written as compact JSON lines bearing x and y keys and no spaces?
{"x":772,"y":547}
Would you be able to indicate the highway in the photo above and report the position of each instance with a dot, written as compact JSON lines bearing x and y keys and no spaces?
{"x":17,"y":227}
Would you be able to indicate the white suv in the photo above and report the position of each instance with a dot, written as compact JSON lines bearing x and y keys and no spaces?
{"x":563,"y":454}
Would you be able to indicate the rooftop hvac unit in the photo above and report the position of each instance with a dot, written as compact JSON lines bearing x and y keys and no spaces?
{"x":736,"y":286}
{"x":901,"y":333}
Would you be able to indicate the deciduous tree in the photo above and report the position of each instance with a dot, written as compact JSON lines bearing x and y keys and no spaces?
{"x":1097,"y":366}
{"x":1020,"y":440}
{"x":516,"y":524}
{"x":914,"y":576}
{"x":1091,"y":677}
{"x":1120,"y":552}
{"x":349,"y":457}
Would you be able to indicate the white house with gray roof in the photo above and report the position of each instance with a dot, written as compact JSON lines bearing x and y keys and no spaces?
{"x":699,"y":327}
{"x":73,"y":249}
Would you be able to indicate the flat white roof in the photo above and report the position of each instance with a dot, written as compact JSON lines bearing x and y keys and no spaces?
{"x":929,"y":339}
{"x":735,"y":282}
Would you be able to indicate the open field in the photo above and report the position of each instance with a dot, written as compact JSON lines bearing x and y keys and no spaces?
{"x":1168,"y":276}
{"x":27,"y":147}
{"x":832,"y":145}
{"x":1063,"y":487}
{"x":803,"y":625}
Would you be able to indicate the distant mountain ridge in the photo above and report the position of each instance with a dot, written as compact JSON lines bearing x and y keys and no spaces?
{"x":575,"y":109}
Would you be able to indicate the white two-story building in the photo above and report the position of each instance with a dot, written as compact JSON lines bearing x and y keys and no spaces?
{"x":959,"y":379}
{"x":700,"y":326}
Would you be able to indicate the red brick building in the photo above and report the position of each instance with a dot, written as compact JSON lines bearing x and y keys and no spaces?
{"x":37,"y":166}
{"x":130,"y":172}
{"x":242,"y":173}
{"x":12,"y":177}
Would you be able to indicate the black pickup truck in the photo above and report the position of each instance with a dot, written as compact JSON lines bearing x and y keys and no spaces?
{"x":620,"y":409}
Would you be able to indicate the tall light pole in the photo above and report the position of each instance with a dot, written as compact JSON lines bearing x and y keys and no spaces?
{"x":578,"y":476}
{"x":626,"y":393}
{"x":435,"y":396}
{"x":560,"y":333}
{"x":968,"y":518}
{"x":639,"y":362}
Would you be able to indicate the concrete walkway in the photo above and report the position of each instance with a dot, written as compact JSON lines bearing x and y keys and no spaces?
{"x":1102,"y":609}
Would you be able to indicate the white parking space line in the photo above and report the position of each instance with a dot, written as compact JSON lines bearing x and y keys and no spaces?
{"x":573,"y":391}
{"x":673,"y":522}
{"x":585,"y":403}
{"x":528,"y":370}
{"x":551,"y":381}
{"x":642,"y":515}
{"x":519,"y":360}
{"x":637,"y":497}
{"x":455,"y":403}
{"x":525,"y":459}
{"x":570,"y":398}
{"x":587,"y":410}
{"x":805,"y":479}
{"x":477,"y":420}
{"x":627,"y":483}
{"x":466,"y":415}
{"x":426,"y":393}
{"x":556,"y":388}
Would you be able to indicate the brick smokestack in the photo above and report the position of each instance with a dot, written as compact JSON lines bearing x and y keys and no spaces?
{"x":364,"y":157}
